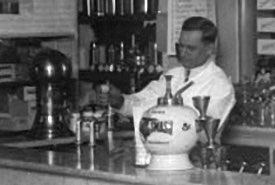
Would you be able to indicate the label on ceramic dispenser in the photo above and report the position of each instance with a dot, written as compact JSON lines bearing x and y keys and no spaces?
{"x":142,"y":157}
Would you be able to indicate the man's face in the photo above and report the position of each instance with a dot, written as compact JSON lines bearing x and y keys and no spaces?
{"x":191,"y":51}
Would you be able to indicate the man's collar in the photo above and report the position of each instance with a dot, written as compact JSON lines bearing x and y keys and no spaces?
{"x":197,"y":70}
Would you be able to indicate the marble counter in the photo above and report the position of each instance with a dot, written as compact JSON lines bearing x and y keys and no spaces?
{"x":70,"y":164}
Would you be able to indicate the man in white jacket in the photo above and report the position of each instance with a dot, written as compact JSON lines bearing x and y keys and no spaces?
{"x":195,"y":50}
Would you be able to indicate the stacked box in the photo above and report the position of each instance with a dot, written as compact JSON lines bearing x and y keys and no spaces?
{"x":17,"y":108}
{"x":13,"y":72}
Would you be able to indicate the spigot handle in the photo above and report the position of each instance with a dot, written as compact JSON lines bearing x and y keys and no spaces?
{"x":260,"y":170}
{"x":181,"y":90}
{"x":225,"y":164}
{"x":244,"y":164}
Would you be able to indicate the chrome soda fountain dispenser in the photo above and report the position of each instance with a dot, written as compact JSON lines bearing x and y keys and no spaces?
{"x":51,"y":71}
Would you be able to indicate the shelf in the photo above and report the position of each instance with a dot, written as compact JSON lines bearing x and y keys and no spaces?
{"x":38,"y":35}
{"x":16,"y":83}
{"x":116,"y":18}
{"x":121,"y":80}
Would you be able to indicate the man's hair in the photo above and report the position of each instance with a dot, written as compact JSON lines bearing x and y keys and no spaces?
{"x":208,"y":28}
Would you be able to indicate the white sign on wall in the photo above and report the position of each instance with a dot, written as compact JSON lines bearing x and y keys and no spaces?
{"x":265,"y":4}
{"x":179,"y":10}
{"x":266,"y":24}
{"x":266,"y":46}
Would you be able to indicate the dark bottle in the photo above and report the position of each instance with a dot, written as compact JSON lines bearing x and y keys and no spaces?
{"x":100,"y":7}
{"x":111,"y":58}
{"x":120,"y":60}
{"x":152,"y":7}
{"x":93,"y":56}
{"x":88,"y":7}
{"x":157,"y":57}
{"x":120,"y":7}
{"x":129,"y":7}
{"x":110,"y":7}
{"x":101,"y":57}
{"x":141,"y":6}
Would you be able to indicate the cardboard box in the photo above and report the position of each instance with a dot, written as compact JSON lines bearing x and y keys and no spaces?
{"x":15,"y":113}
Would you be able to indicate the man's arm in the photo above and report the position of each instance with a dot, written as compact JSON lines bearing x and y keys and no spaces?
{"x":147,"y":96}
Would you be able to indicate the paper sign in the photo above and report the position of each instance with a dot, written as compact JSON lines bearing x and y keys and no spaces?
{"x":265,"y":4}
{"x":266,"y":24}
{"x":266,"y":46}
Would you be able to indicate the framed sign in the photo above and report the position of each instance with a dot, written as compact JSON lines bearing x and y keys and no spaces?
{"x":265,"y":4}
{"x":179,"y":10}
{"x":266,"y":46}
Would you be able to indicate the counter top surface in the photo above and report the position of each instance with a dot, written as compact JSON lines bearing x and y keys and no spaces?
{"x":118,"y":166}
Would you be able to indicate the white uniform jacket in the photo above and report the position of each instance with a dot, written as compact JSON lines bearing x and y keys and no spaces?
{"x":209,"y":80}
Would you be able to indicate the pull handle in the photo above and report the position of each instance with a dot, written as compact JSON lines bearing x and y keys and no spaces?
{"x":242,"y":168}
{"x":260,"y":170}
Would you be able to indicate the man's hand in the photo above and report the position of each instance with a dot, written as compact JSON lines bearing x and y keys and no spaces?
{"x":111,"y":95}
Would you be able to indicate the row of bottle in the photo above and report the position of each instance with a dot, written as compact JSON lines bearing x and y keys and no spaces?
{"x":119,"y":7}
{"x":120,"y":59}
{"x":116,"y":59}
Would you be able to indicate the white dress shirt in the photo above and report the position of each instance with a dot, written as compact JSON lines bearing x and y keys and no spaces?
{"x":209,"y":80}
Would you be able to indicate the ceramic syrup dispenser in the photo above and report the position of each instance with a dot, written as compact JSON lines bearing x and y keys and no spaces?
{"x":168,"y":131}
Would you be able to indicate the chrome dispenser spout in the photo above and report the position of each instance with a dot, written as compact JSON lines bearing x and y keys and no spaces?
{"x":181,"y":90}
{"x":177,"y":99}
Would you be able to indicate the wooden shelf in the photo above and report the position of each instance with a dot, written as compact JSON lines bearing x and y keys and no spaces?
{"x":125,"y":18}
{"x":121,"y":80}
{"x":38,"y":35}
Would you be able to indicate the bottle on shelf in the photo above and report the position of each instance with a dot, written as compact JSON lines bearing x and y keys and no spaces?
{"x":101,"y":57}
{"x":157,"y":66}
{"x":129,"y":7}
{"x":120,"y":7}
{"x":141,"y":6}
{"x":88,"y":7}
{"x":111,"y":58}
{"x":100,"y":7}
{"x":153,"y":6}
{"x":110,"y":7}
{"x":93,"y":56}
{"x":120,"y":58}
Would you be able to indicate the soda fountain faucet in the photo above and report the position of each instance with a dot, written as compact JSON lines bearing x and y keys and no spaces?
{"x":210,"y":126}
